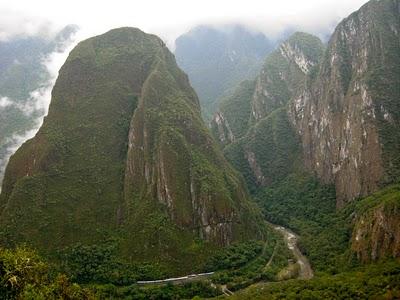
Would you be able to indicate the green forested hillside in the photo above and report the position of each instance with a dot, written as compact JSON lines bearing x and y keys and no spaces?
{"x":124,"y":160}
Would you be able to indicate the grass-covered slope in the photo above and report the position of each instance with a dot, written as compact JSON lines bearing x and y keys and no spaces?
{"x":123,"y":153}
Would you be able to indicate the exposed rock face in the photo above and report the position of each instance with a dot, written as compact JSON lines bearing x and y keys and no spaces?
{"x":284,"y":72}
{"x":172,"y":158}
{"x":347,"y":116}
{"x":224,"y":132}
{"x":123,"y":151}
{"x":264,"y":145}
{"x":337,"y":114}
{"x":376,"y":232}
{"x":344,"y":107}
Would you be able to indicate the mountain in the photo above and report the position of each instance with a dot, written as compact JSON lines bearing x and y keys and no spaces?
{"x":253,"y":122}
{"x":349,"y":115}
{"x":23,"y":75}
{"x":218,"y":58}
{"x":319,"y":128}
{"x":124,"y":155}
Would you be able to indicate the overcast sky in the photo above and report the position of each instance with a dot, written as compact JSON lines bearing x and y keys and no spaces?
{"x":170,"y":18}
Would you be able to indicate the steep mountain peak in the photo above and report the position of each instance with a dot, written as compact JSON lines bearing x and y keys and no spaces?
{"x":284,"y":71}
{"x":302,"y":48}
{"x":124,"y":153}
{"x":342,"y":101}
{"x":348,"y":117}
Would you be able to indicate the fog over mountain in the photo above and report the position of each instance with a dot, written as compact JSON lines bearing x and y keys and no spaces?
{"x":26,"y":25}
{"x":200,"y":149}
{"x":29,"y":66}
{"x":172,"y":18}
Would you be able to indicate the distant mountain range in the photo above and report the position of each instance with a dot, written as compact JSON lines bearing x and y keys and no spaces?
{"x":217,"y":58}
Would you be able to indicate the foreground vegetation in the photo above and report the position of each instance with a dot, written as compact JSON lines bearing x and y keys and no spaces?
{"x":96,"y":272}
{"x":376,"y":281}
{"x":236,"y":272}
{"x":300,"y":203}
{"x":24,"y":275}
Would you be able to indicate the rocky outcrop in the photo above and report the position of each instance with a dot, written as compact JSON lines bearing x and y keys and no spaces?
{"x":284,"y":72}
{"x":333,"y":114}
{"x":347,"y":114}
{"x":343,"y":104}
{"x":376,"y":231}
{"x":172,"y":158}
{"x":223,"y":129}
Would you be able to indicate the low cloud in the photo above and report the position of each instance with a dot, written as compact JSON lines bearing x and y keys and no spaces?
{"x":5,"y":102}
{"x":18,"y":23}
{"x":37,"y":104}
{"x":12,"y":144}
{"x":169,"y":19}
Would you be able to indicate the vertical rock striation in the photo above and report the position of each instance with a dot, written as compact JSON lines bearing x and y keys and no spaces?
{"x":253,"y":123}
{"x":348,"y":113}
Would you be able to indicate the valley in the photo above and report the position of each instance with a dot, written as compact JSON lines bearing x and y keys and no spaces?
{"x":239,"y":166}
{"x":305,"y":270}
